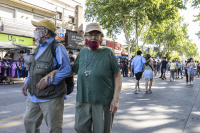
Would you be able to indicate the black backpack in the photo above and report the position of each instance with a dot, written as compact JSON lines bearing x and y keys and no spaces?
{"x":69,"y":80}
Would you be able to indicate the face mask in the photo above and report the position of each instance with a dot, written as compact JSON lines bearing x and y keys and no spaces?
{"x":93,"y":44}
{"x":38,"y":35}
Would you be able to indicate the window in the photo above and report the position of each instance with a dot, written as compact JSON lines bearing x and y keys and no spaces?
{"x":36,"y":18}
{"x":7,"y":12}
{"x":71,"y":20}
{"x":59,"y":15}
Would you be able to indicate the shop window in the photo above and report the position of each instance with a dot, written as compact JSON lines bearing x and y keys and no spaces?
{"x":59,"y":15}
{"x":7,"y":12}
{"x":71,"y":20}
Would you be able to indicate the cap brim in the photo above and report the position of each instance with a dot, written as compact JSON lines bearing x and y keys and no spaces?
{"x":93,"y":30}
{"x":34,"y":23}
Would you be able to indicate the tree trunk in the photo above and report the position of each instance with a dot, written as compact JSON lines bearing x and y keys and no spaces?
{"x":127,"y":39}
{"x":164,"y":44}
{"x":146,"y":38}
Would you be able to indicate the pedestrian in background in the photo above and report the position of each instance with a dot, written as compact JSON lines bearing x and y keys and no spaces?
{"x":195,"y":69}
{"x":198,"y":68}
{"x":71,"y":58}
{"x":154,"y":64}
{"x":158,"y":67}
{"x":161,"y":69}
{"x":190,"y":66}
{"x":137,"y":64}
{"x":26,"y":59}
{"x":46,"y":100}
{"x":179,"y":68}
{"x":148,"y":73}
{"x":173,"y":67}
{"x":125,"y":67}
{"x":164,"y":68}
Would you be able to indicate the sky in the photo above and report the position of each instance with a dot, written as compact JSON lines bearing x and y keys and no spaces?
{"x":193,"y":27}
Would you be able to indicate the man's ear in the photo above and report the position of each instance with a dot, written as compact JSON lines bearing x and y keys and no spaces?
{"x":46,"y":32}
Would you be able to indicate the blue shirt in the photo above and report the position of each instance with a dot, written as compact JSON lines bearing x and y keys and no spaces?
{"x":158,"y":65}
{"x":138,"y":62}
{"x":62,"y":61}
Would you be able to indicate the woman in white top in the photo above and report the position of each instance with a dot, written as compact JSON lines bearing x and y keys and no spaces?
{"x":190,"y":66}
{"x":148,"y":73}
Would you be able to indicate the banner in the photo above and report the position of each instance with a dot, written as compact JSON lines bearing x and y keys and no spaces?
{"x":16,"y":39}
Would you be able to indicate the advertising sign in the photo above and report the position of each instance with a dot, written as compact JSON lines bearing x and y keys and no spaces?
{"x":74,"y":41}
{"x":110,"y":44}
{"x":60,"y":34}
{"x":16,"y":39}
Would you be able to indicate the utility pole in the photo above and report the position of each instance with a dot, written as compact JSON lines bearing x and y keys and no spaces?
{"x":55,"y":16}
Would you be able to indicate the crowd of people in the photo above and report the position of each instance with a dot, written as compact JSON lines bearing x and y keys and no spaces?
{"x":149,"y":68}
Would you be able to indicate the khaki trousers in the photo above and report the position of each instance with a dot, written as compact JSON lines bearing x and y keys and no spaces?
{"x":96,"y":115}
{"x":51,"y":111}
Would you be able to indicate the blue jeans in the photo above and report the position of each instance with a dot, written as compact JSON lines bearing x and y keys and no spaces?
{"x":125,"y":72}
{"x":164,"y":70}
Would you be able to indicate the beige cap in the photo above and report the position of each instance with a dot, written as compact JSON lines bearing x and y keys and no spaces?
{"x":45,"y":23}
{"x":92,"y":27}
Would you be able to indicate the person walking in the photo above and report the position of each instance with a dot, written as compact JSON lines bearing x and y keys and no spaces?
{"x":137,"y":63}
{"x":46,"y":100}
{"x":158,"y":67}
{"x":164,"y":67}
{"x":26,"y":59}
{"x":161,"y":69}
{"x":198,"y":68}
{"x":71,"y":58}
{"x":179,"y":69}
{"x":190,"y":66}
{"x":148,"y":73}
{"x":186,"y":72}
{"x":195,"y":69}
{"x":125,"y":67}
{"x":154,"y":64}
{"x":173,"y":67}
{"x":98,"y":86}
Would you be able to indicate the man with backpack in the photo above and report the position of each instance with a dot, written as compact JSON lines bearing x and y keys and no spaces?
{"x":45,"y":99}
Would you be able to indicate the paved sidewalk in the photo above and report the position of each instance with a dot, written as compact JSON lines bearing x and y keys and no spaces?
{"x":173,"y":107}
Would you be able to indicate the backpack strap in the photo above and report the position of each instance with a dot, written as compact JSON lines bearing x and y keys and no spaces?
{"x":54,"y":45}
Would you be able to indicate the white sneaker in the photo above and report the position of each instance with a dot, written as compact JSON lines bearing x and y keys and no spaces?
{"x":188,"y":83}
{"x":192,"y":83}
{"x":139,"y":89}
{"x":135,"y":91}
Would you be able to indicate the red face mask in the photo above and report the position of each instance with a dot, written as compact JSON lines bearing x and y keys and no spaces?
{"x":93,"y":44}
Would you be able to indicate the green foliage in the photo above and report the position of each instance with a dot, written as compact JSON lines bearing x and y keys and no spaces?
{"x":130,"y":16}
{"x":152,"y":52}
{"x":173,"y":55}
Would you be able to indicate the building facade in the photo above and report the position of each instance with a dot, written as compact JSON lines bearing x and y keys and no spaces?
{"x":16,"y":16}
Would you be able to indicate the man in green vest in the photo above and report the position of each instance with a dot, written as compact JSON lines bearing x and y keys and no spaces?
{"x":46,"y":100}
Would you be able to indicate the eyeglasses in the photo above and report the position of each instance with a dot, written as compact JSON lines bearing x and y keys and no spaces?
{"x":90,"y":36}
{"x":37,"y":28}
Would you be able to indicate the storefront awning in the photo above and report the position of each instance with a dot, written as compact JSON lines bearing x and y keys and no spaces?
{"x":7,"y":45}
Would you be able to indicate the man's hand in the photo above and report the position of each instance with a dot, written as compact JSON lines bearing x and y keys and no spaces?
{"x":41,"y":85}
{"x":24,"y":90}
{"x":50,"y":75}
{"x":114,"y":106}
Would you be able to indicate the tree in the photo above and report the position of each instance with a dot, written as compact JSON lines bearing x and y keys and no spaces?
{"x":130,"y":16}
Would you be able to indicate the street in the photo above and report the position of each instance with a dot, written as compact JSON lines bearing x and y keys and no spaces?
{"x":173,"y":107}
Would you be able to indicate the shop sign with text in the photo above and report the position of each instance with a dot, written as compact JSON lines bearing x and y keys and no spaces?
{"x":16,"y":39}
